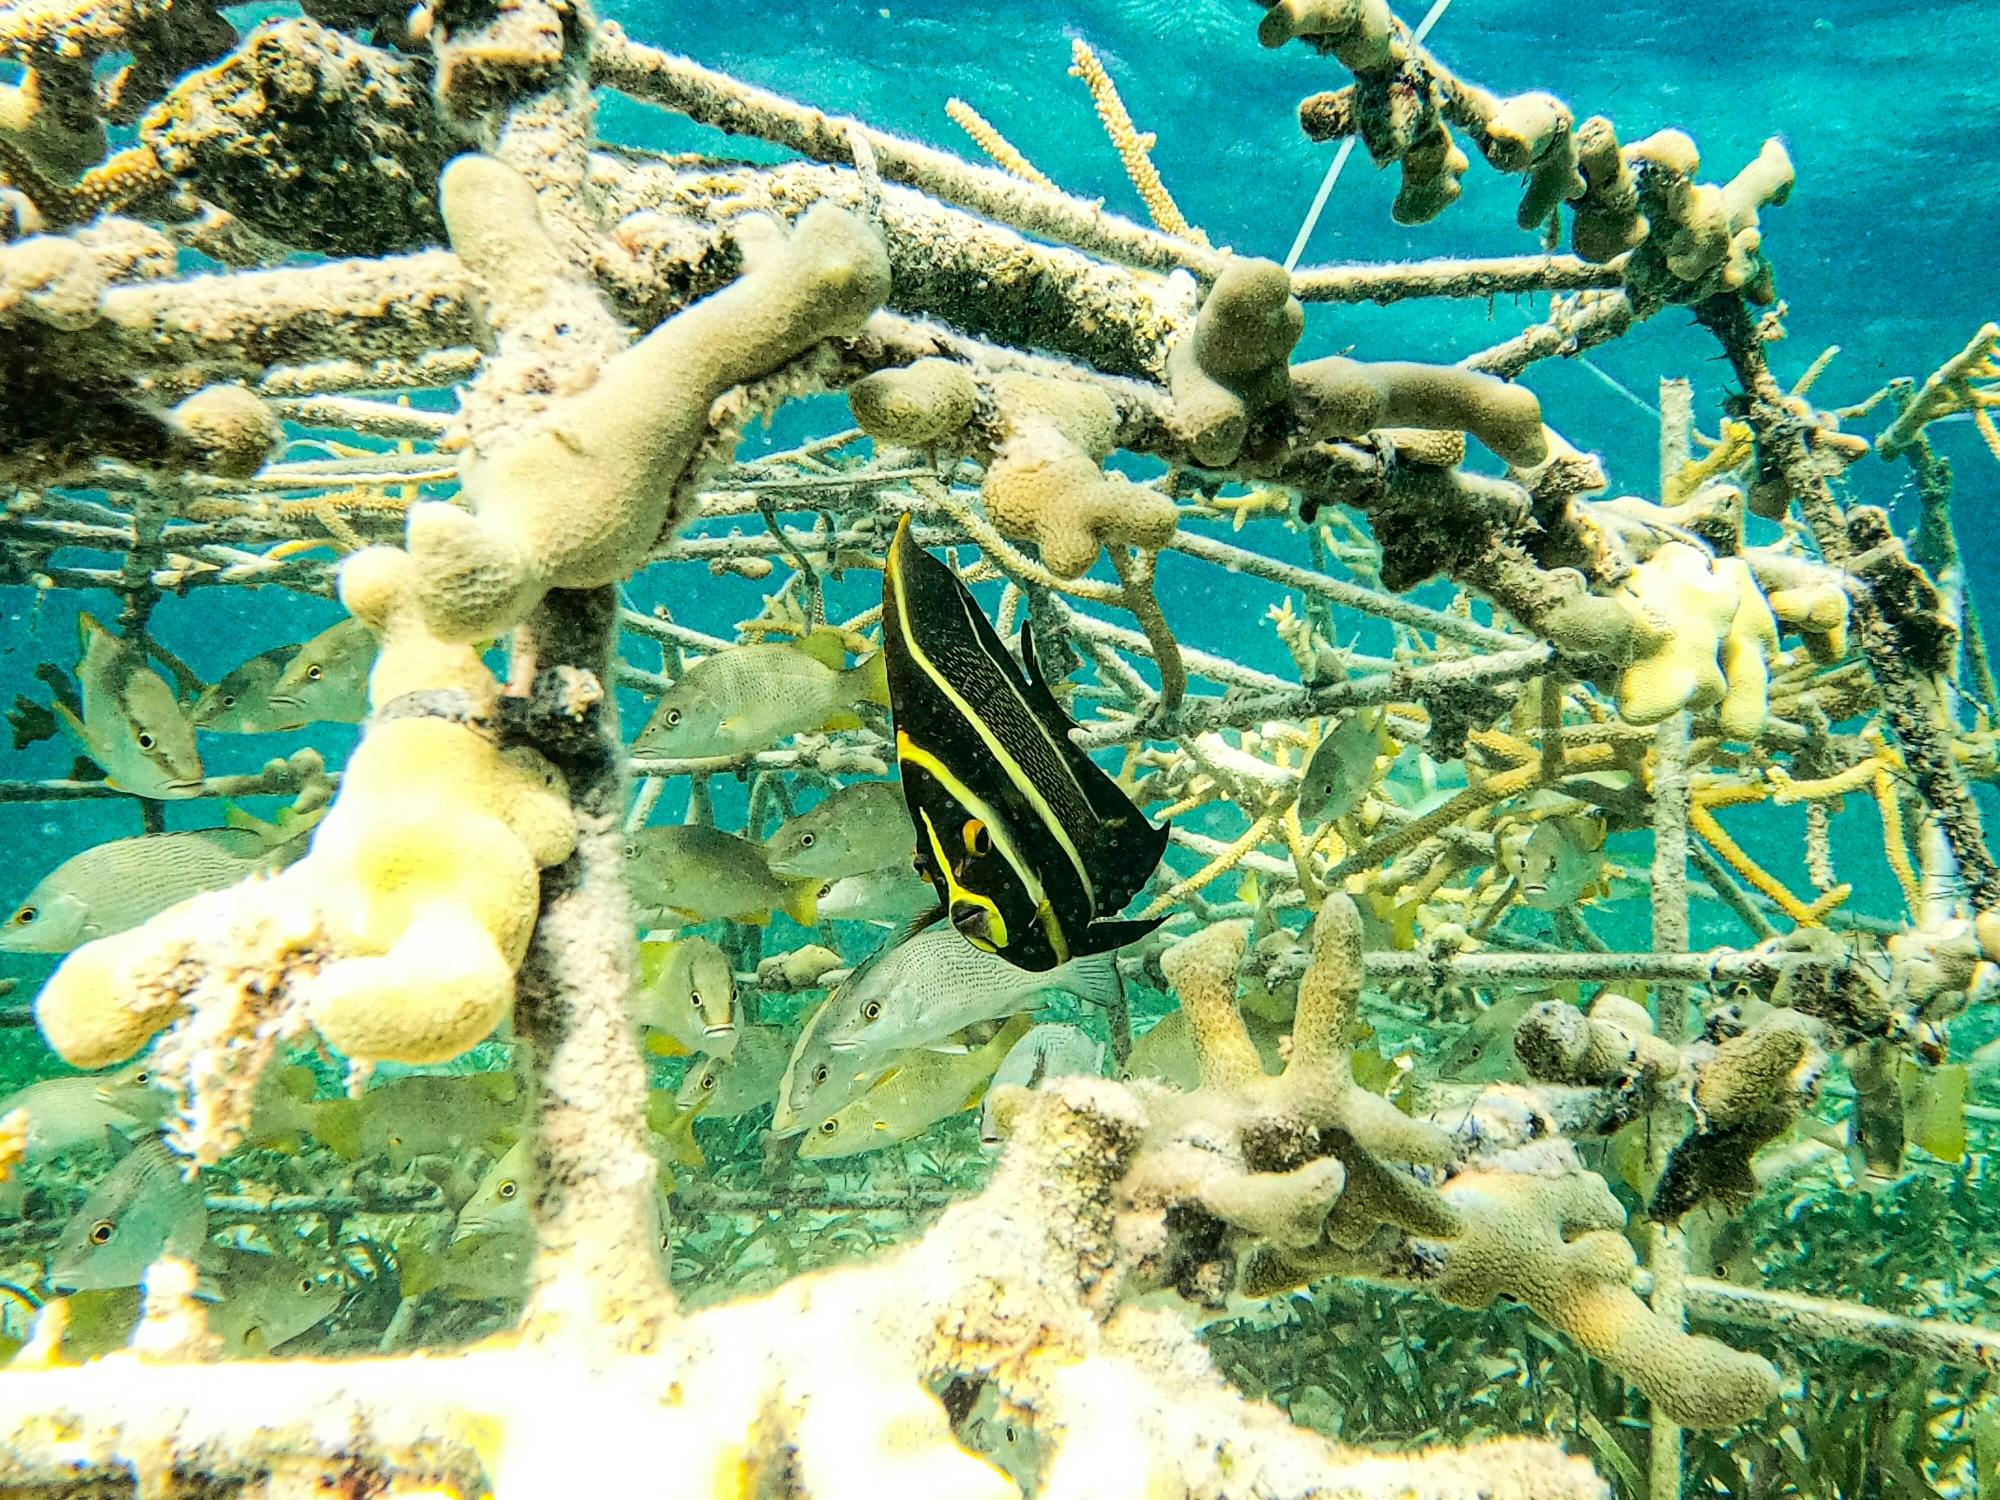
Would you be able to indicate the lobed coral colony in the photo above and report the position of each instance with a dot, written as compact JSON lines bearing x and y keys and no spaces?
{"x":487,"y":1042}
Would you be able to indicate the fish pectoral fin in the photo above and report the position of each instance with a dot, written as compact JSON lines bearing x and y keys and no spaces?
{"x":1105,"y":937}
{"x":871,"y":680}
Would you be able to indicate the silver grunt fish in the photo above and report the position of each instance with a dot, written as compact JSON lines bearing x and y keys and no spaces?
{"x":725,"y":1087}
{"x":860,"y":827}
{"x":140,"y":1210}
{"x":918,"y":1090}
{"x":750,"y":697}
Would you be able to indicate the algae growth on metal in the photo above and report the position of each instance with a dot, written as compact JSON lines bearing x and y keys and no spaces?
{"x":596,"y":708}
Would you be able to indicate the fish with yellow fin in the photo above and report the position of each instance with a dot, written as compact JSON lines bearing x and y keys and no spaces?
{"x":856,"y":828}
{"x":748,"y":698}
{"x":921,"y":1089}
{"x":686,"y":997}
{"x":128,"y":719}
{"x":705,"y":875}
{"x":141,"y":1209}
{"x":1032,"y":848}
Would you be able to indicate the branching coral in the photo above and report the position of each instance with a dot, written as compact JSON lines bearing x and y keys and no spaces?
{"x":620,"y":447}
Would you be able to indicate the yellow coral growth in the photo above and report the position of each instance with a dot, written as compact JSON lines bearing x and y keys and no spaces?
{"x":1950,"y":390}
{"x":1133,"y":148}
{"x":1006,"y":155}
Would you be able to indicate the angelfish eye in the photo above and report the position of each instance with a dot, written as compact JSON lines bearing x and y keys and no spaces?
{"x":101,"y":1232}
{"x":313,"y":674}
{"x":977,"y":839}
{"x":509,"y":1188}
{"x":145,"y":742}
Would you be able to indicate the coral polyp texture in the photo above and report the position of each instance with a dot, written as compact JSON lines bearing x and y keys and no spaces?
{"x":1579,"y":852}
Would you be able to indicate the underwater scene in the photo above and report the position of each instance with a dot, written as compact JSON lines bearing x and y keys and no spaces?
{"x":1102,"y":749}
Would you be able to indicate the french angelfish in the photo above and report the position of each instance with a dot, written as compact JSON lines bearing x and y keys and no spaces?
{"x":920,"y":991}
{"x":130,"y":723}
{"x":686,"y":995}
{"x":918,"y":1091}
{"x":139,"y":1211}
{"x":1031,"y":848}
{"x":856,"y":828}
{"x":748,"y":698}
{"x":113,"y":887}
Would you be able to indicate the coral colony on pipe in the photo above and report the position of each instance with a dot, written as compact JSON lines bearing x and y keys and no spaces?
{"x":529,"y":1074}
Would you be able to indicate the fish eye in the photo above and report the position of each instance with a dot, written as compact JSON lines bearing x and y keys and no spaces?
{"x":977,"y":839}
{"x":229,"y":700}
{"x":695,"y":997}
{"x":828,"y":1127}
{"x":25,"y":916}
{"x":101,"y":1232}
{"x":825,"y":890}
{"x":305,"y":1285}
{"x":631,"y":851}
{"x":509,"y":1188}
{"x":673,"y":717}
{"x":143,"y":1076}
{"x":872,"y":1011}
{"x":819,"y":1073}
{"x":807,"y":840}
{"x":145,"y":742}
{"x":708,"y":1080}
{"x":314,"y":673}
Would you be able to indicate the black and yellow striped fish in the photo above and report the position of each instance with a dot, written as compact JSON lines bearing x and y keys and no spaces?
{"x":1031,"y":847}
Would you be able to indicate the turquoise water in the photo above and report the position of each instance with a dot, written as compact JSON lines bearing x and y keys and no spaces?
{"x":1883,"y":248}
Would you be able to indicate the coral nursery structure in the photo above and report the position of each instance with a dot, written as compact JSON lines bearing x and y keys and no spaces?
{"x":367,"y":310}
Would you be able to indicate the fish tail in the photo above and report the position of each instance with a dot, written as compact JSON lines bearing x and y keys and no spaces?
{"x":802,"y":904}
{"x":336,"y":1125}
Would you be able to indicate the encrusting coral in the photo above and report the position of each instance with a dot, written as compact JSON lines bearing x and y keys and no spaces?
{"x":618,"y":449}
{"x":1340,"y":397}
{"x":1231,"y":368}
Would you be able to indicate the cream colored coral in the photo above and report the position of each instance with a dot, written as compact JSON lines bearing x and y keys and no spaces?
{"x":1134,"y":148}
{"x":1553,"y":1242}
{"x":1356,"y":31}
{"x":1695,"y":632}
{"x":578,"y":501}
{"x":1046,"y":483}
{"x":916,"y":405}
{"x":1340,"y":397}
{"x":1231,"y":366}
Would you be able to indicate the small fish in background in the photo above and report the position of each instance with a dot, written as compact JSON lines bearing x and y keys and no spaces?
{"x":1165,"y":1050}
{"x":1032,"y":848}
{"x":324,"y":680}
{"x":1342,"y":768}
{"x":140,"y":1210}
{"x":818,"y":1080}
{"x":285,"y":1111}
{"x":96,"y":1109}
{"x":440,"y":1114}
{"x":237,"y":702}
{"x":686,"y":995}
{"x":894,"y":895}
{"x":1483,"y":1049}
{"x":860,"y":827}
{"x":267,"y":1299}
{"x":705,"y":875}
{"x":918,"y":1091}
{"x":799,"y":969}
{"x":499,"y":1205}
{"x":726,"y":1087}
{"x":1558,"y":862}
{"x":918,"y":992}
{"x":128,"y":720}
{"x":113,"y":887}
{"x":1051,"y":1050}
{"x":749,"y":698}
